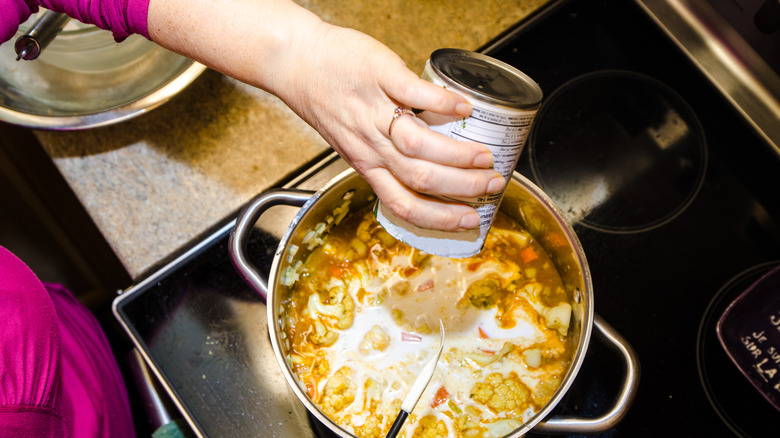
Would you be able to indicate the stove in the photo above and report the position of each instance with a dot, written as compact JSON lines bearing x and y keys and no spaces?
{"x":675,"y":197}
{"x":673,"y":191}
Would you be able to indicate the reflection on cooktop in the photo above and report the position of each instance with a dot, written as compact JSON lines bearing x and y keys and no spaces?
{"x":618,"y":151}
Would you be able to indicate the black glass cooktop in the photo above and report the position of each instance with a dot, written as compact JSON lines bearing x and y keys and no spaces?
{"x":675,"y":200}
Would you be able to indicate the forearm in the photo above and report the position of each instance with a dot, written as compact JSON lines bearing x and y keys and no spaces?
{"x":346,"y":85}
{"x":246,"y":39}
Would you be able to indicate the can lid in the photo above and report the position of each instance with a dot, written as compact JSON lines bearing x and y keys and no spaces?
{"x":486,"y":77}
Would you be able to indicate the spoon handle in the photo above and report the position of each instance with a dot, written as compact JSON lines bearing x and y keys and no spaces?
{"x":30,"y":45}
{"x":397,"y":424}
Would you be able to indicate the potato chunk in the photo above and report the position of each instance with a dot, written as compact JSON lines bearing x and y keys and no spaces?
{"x":558,"y":318}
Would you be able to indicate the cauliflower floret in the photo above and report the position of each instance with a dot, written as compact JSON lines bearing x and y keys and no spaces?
{"x":322,"y":336}
{"x":339,"y":392}
{"x":369,"y":237}
{"x":372,"y":428}
{"x":482,"y":293}
{"x":320,"y":366}
{"x":363,"y":231}
{"x":502,"y":394}
{"x":375,"y":339}
{"x":428,"y":427}
{"x":341,"y":308}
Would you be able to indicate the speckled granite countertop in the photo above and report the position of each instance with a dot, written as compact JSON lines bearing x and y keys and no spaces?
{"x":154,"y":183}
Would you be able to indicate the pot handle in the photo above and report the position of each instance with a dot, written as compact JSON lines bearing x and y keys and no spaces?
{"x":560,"y":425}
{"x":239,"y":236}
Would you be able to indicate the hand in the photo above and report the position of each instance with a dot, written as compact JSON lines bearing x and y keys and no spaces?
{"x":346,"y":85}
{"x":350,"y":101}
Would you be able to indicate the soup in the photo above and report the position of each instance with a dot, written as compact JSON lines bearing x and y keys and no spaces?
{"x":362,"y":318}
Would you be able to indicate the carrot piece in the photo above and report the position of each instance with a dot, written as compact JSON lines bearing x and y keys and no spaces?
{"x":335,"y":271}
{"x":528,"y":254}
{"x":441,"y":396}
{"x":557,"y":239}
{"x":482,"y":333}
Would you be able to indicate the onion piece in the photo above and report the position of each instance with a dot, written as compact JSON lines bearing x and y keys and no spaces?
{"x":502,"y":427}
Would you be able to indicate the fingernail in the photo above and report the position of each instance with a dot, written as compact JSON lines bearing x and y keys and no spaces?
{"x":483,"y":160}
{"x":496,"y":185}
{"x":469,"y":221}
{"x":463,"y":109}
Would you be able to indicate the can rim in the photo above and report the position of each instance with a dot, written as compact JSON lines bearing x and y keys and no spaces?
{"x":522,"y":80}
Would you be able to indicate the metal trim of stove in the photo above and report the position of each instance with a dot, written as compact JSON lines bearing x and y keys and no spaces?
{"x":719,"y":50}
{"x":313,"y":174}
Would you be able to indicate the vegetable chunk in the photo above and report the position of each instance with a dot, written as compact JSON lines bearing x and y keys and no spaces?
{"x":339,"y":392}
{"x":502,"y":394}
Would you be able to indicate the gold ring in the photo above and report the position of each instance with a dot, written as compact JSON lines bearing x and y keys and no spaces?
{"x":398,"y":112}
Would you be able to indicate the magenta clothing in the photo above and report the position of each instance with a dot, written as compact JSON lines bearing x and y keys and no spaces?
{"x":58,"y":375}
{"x":122,"y":17}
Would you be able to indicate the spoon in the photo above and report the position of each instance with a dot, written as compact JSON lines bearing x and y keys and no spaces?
{"x":418,"y":387}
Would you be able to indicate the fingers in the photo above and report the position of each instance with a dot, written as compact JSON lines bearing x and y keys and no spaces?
{"x":432,"y":163}
{"x":439,"y":180}
{"x":413,"y":139}
{"x":415,"y":92}
{"x":421,"y":210}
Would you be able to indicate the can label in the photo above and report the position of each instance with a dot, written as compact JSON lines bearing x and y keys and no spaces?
{"x":504,"y":130}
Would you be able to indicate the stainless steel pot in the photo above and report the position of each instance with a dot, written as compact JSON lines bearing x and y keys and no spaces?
{"x":523,"y":202}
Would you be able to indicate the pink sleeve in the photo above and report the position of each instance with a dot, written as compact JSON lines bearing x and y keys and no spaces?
{"x":58,"y":374}
{"x":122,"y":17}
{"x":94,"y":399}
{"x":30,"y":367}
{"x":15,"y":12}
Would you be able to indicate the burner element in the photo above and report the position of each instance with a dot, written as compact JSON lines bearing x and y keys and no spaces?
{"x":618,"y":151}
{"x":736,"y":402}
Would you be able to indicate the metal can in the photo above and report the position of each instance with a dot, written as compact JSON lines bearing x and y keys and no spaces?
{"x":505,"y":102}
